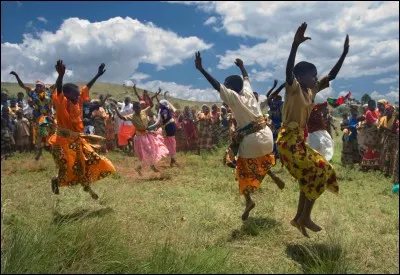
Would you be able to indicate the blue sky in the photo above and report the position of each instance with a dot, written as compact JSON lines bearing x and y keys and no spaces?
{"x":153,"y":43}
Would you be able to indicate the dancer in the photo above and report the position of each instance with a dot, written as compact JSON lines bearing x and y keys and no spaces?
{"x":318,"y":137}
{"x":188,"y":121}
{"x":22,"y":132}
{"x":312,"y":171}
{"x":42,"y":112}
{"x":73,"y":153}
{"x":253,"y":142}
{"x":166,"y":120}
{"x":145,"y":144}
{"x":275,"y":104}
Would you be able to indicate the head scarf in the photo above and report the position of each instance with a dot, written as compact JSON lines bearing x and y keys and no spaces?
{"x":365,"y":106}
{"x":205,"y":106}
{"x":383,"y":101}
{"x":166,"y":104}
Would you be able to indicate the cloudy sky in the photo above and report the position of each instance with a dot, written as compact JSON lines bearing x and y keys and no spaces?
{"x":153,"y":43}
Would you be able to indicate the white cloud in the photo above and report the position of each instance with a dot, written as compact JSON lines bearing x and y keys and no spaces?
{"x":209,"y":69}
{"x":42,"y":19}
{"x":121,"y":43}
{"x":392,"y":96}
{"x":138,"y":76}
{"x":373,"y":28}
{"x":387,"y":80}
{"x":210,"y":21}
{"x":182,"y":91}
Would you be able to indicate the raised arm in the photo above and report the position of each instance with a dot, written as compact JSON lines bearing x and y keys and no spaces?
{"x":298,"y":39}
{"x":60,"y":68}
{"x":239,"y":63}
{"x":274,"y":94}
{"x":104,"y":100}
{"x":100,"y":72}
{"x":210,"y":79}
{"x":273,"y":87}
{"x":335,"y":70}
{"x":114,"y":106}
{"x":20,"y":83}
{"x":136,"y":93}
{"x":165,"y":95}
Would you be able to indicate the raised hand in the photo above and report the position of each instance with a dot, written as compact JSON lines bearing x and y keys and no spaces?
{"x":239,"y":62}
{"x":14,"y":73}
{"x":299,"y":36}
{"x":275,"y":82}
{"x":197,"y":61}
{"x":101,"y":69}
{"x":346,"y":44}
{"x":60,"y":68}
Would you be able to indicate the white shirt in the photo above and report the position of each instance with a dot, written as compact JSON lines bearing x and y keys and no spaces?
{"x":126,"y":110}
{"x":246,"y":109}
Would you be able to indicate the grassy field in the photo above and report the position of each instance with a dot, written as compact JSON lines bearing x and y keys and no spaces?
{"x":188,"y":221}
{"x":118,"y":92}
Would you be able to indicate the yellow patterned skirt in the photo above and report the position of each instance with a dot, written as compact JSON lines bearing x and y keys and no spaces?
{"x":77,"y":161}
{"x":250,"y":172}
{"x":309,"y":167}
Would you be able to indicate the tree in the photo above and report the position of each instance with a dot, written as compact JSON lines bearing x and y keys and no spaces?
{"x":365,"y":98}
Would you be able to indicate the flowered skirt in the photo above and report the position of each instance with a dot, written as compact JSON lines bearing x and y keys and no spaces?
{"x":371,"y":159}
{"x":77,"y":161}
{"x":388,"y":153}
{"x":250,"y":172}
{"x":110,"y":135}
{"x":309,"y":167}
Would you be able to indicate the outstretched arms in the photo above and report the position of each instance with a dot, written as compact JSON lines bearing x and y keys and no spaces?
{"x":298,"y":39}
{"x":136,"y":93}
{"x":335,"y":70}
{"x":210,"y":79}
{"x":100,"y":72}
{"x":20,"y":83}
{"x":60,"y":68}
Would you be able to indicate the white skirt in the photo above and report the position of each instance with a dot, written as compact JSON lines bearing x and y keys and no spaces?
{"x":322,"y":142}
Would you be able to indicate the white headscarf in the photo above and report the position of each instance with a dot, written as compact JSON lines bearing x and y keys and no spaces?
{"x":166,"y":104}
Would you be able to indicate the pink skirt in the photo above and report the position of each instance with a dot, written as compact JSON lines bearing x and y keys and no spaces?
{"x":171,"y":145}
{"x":148,"y":149}
{"x":160,"y":141}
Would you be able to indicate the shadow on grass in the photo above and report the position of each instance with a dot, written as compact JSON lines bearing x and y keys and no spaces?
{"x":253,"y":226}
{"x":319,"y":258}
{"x":79,"y":215}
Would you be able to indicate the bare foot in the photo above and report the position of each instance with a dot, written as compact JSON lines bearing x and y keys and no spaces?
{"x":246,"y":212}
{"x":300,"y":227}
{"x":312,"y":226}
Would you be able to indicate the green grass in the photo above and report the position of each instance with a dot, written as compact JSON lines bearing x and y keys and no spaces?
{"x":188,"y":221}
{"x":117,"y":91}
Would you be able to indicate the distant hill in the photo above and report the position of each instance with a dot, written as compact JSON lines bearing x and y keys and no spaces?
{"x":118,"y":92}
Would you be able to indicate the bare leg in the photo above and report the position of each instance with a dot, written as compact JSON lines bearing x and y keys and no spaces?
{"x":173,"y":162}
{"x":54,"y":185}
{"x":39,"y":153}
{"x":300,"y":208}
{"x":88,"y":189}
{"x":154,"y":169}
{"x":305,"y":218}
{"x":250,"y":204}
{"x":276,"y":180}
{"x":139,"y":170}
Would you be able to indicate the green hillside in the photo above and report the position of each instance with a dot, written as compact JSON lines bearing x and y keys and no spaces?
{"x":118,"y":92}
